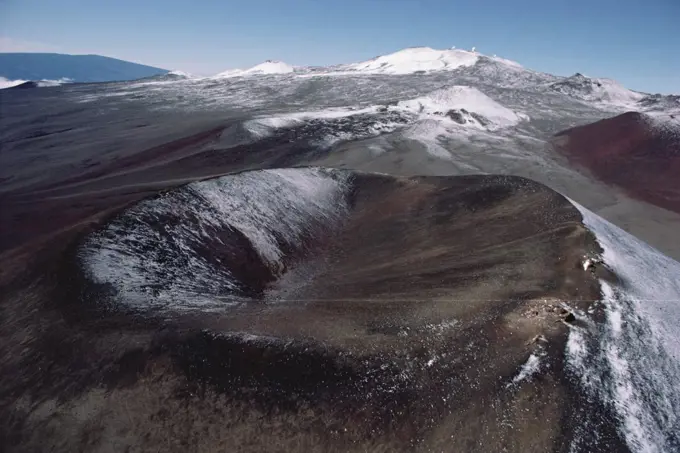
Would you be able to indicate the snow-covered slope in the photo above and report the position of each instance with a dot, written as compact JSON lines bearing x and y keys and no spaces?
{"x":597,"y":91}
{"x":4,"y":83}
{"x":266,"y":68}
{"x":273,"y":210}
{"x":464,"y":105}
{"x":416,"y":59}
{"x":632,"y":360}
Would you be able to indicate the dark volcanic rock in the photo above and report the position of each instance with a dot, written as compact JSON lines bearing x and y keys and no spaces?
{"x":456,"y":116}
{"x":463,"y":116}
{"x":632,"y":151}
{"x":480,"y":119}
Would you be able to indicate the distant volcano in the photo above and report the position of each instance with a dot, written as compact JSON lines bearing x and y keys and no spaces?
{"x":77,"y":68}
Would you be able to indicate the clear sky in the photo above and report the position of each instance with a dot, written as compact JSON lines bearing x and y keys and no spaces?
{"x":636,"y":42}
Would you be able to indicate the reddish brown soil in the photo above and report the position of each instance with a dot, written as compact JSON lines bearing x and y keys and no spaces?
{"x":628,"y":152}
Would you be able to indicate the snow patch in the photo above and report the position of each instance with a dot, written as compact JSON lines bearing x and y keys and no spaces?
{"x":269,"y":67}
{"x":180,"y":74}
{"x":464,"y":97}
{"x":54,"y":83}
{"x":5,"y":83}
{"x":528,"y":369}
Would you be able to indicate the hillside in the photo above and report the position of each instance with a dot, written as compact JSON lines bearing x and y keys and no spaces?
{"x":637,"y":152}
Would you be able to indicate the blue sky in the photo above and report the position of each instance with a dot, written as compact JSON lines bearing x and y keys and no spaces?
{"x":636,"y":42}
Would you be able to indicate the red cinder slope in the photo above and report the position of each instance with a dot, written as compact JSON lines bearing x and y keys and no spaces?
{"x":639,"y":153}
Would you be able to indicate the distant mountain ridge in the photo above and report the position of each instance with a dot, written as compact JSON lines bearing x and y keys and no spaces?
{"x":76,"y":68}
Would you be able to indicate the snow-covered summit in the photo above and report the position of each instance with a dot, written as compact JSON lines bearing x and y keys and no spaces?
{"x":416,"y":59}
{"x":411,"y":60}
{"x":266,"y":68}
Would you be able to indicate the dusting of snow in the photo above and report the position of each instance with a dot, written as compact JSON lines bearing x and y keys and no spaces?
{"x":442,"y":327}
{"x":54,"y":83}
{"x":152,"y":254}
{"x":665,"y":123}
{"x":600,"y":92}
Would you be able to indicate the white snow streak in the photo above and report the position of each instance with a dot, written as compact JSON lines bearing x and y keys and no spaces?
{"x":153,"y":255}
{"x":632,"y":362}
{"x":528,"y":369}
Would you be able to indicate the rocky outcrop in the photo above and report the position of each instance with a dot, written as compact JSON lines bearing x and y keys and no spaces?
{"x":462,"y":116}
